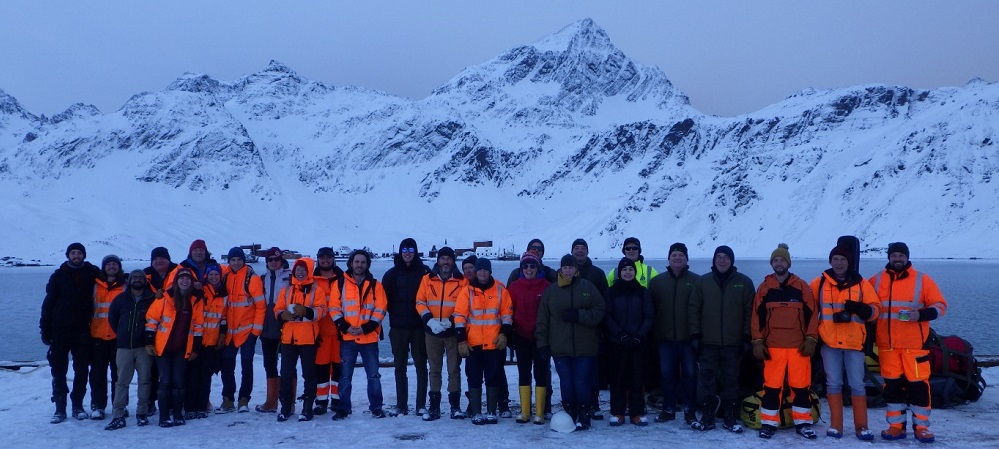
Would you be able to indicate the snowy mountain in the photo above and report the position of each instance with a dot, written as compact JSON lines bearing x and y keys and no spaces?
{"x":562,"y":138}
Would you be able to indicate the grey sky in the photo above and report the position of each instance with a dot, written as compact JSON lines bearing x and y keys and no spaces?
{"x":729,"y":57}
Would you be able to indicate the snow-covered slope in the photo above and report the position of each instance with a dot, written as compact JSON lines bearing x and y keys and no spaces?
{"x":562,"y":138}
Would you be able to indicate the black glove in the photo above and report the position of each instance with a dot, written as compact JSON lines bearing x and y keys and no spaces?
{"x":342,"y":325}
{"x":841,"y":317}
{"x":369,"y":327}
{"x":150,"y":338}
{"x":571,"y":315}
{"x":852,"y":307}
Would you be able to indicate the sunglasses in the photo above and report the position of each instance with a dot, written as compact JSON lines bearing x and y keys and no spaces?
{"x":407,"y":250}
{"x":529,"y":266}
{"x":536,"y":248}
{"x":273,"y":259}
{"x":631,"y":248}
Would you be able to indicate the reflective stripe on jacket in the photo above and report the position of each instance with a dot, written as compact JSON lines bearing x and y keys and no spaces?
{"x":215,"y":308}
{"x":302,"y":330}
{"x":482,"y":312}
{"x":908,"y":290}
{"x":784,"y":313}
{"x":160,"y":319}
{"x":358,"y":307}
{"x":104,"y":293}
{"x":831,"y":298}
{"x":246,"y":305}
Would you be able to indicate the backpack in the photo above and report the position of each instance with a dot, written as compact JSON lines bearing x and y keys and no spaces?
{"x":750,"y":411}
{"x":954,"y":370}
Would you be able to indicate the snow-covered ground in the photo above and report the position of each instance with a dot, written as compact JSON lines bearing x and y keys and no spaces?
{"x":25,"y":410}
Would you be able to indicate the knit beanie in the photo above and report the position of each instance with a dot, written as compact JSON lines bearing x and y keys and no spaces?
{"x":271,"y":252}
{"x":529,"y":257}
{"x":137,"y":274}
{"x":678,"y":247}
{"x":445,"y":251}
{"x":568,"y":260}
{"x":724,"y":249}
{"x":325,"y":251}
{"x":197,"y":244}
{"x":111,"y":258}
{"x":159,"y":251}
{"x":579,"y":242}
{"x":898,"y":247}
{"x":840,"y":250}
{"x":213,"y":268}
{"x":631,"y":240}
{"x":484,"y":264}
{"x":76,"y":245}
{"x":470,"y":260}
{"x":625,"y":262}
{"x":236,"y":252}
{"x":781,"y":251}
{"x":539,"y":242}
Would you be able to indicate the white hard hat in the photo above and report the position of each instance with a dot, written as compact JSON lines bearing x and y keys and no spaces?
{"x":562,"y":423}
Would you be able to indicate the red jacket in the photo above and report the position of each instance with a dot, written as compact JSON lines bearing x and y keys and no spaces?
{"x":526,"y":295}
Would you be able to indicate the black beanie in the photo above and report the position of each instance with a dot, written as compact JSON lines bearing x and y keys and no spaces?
{"x":469,"y":260}
{"x":236,"y":252}
{"x":159,"y":251}
{"x":840,"y":250}
{"x":579,"y":242}
{"x":409,"y":243}
{"x":631,"y":240}
{"x":483,"y":264}
{"x":539,"y":242}
{"x":625,"y":262}
{"x":568,"y":260}
{"x":678,"y":247}
{"x":898,"y":247}
{"x":445,"y":251}
{"x":76,"y":245}
{"x":724,"y":250}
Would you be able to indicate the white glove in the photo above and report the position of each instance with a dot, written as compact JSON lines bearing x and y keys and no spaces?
{"x":435,"y":326}
{"x":445,"y":323}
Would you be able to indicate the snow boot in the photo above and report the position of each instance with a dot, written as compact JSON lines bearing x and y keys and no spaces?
{"x":306,"y":414}
{"x":525,"y":404}
{"x":115,"y":424}
{"x":270,"y":404}
{"x":835,"y":429}
{"x":454,"y":399}
{"x":475,"y":406}
{"x":585,"y":416}
{"x":540,"y":404}
{"x":227,"y":406}
{"x":806,"y":431}
{"x":860,"y":418}
{"x":492,"y":401}
{"x":709,"y":408}
{"x":434,"y":413}
{"x":322,"y":406}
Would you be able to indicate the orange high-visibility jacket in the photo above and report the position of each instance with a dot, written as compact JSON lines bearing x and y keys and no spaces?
{"x":360,"y":304}
{"x":437,"y":298}
{"x":831,"y":298}
{"x":246,"y":304}
{"x":215,"y":308}
{"x":908,"y":290}
{"x":160,"y":319}
{"x":483,"y":312}
{"x":784,"y":314}
{"x":104,"y":293}
{"x":302,"y":330}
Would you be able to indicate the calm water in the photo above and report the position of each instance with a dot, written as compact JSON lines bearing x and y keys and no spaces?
{"x":966,"y":284}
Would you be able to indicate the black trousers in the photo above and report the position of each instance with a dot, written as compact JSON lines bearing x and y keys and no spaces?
{"x":63,"y":345}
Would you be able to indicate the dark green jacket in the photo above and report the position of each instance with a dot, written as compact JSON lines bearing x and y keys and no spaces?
{"x":720,"y":312}
{"x":565,"y":339}
{"x":670,"y":296}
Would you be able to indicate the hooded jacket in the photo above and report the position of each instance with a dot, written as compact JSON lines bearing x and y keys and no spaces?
{"x":908,"y":290}
{"x":526,"y":294}
{"x":629,"y":310}
{"x":104,"y":293}
{"x":784,"y":313}
{"x":643,"y":273}
{"x":301,"y":330}
{"x":246,"y":312}
{"x":482,"y":312}
{"x":401,"y":284}
{"x":437,"y":298}
{"x":362,"y":305}
{"x":161,"y":317}
{"x":831,"y":295}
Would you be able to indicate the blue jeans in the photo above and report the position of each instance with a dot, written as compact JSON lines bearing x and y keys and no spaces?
{"x":678,"y":358}
{"x":834,"y":361}
{"x":227,"y":364}
{"x":576,"y":379}
{"x":369,"y":358}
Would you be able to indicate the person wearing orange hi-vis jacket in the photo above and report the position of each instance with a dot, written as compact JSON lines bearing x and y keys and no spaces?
{"x":109,"y":284}
{"x":173,"y":334}
{"x":483,"y":318}
{"x":329,"y":278}
{"x":847,"y":302}
{"x":200,"y":371}
{"x":909,"y":301}
{"x":435,"y":302}
{"x":358,"y":315}
{"x":784,"y":327}
{"x":245,"y":320}
{"x":299,"y":308}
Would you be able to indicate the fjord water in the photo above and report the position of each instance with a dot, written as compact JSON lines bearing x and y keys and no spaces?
{"x":968,"y":285}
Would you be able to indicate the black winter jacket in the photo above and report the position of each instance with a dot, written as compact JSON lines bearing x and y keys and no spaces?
{"x":128,"y":317}
{"x":629,"y":311}
{"x":69,"y":301}
{"x":401,"y":283}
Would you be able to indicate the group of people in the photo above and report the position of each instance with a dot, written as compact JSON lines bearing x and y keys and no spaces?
{"x":177,"y":325}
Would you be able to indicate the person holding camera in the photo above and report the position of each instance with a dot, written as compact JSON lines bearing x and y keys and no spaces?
{"x":847,"y":302}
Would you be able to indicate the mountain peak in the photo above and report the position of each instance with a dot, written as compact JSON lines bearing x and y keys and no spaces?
{"x":195,"y":82}
{"x":278,"y":67}
{"x":581,"y":34}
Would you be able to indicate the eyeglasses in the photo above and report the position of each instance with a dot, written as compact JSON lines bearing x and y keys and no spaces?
{"x":273,"y":259}
{"x":631,"y":248}
{"x":535,"y":248}
{"x":529,"y":266}
{"x":407,"y":250}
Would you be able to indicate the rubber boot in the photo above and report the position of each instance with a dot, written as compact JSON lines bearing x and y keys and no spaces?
{"x":492,"y":400}
{"x":525,"y":404}
{"x":540,"y":404}
{"x":836,"y":414}
{"x":270,"y":404}
{"x":860,"y":417}
{"x":475,"y":406}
